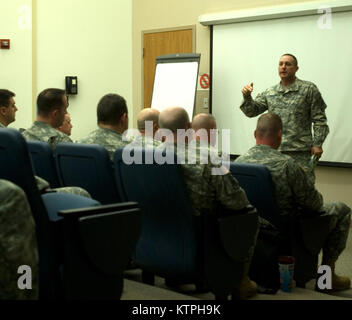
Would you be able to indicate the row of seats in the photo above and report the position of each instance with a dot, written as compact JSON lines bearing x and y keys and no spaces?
{"x":208,"y":250}
{"x":174,"y":243}
{"x":69,"y":164}
{"x":83,"y":247}
{"x":81,"y":165}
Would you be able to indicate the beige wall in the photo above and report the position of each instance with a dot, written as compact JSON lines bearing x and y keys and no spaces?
{"x":16,"y":63}
{"x":91,"y":39}
{"x":334,"y":183}
{"x":52,"y":39}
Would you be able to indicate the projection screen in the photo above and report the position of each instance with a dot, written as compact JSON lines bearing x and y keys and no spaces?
{"x":250,"y":51}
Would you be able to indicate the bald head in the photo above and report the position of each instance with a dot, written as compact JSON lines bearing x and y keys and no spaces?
{"x":203,"y":121}
{"x":148,"y":114}
{"x":204,"y":125}
{"x":174,"y":118}
{"x":269,"y":130}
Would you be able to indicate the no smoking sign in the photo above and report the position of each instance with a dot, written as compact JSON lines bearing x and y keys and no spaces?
{"x":204,"y":81}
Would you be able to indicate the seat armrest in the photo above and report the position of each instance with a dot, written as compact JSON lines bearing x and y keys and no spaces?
{"x":109,"y":239}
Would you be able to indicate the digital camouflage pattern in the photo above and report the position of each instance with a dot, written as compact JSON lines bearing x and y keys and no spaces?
{"x":305,"y":161}
{"x":207,"y":190}
{"x":111,"y":140}
{"x":43,"y":185}
{"x":18,"y":244}
{"x":298,"y":105}
{"x":293,"y":188}
{"x":41,"y":131}
{"x":144,"y":141}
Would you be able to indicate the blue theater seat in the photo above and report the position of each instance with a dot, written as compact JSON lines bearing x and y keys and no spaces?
{"x":256,"y":181}
{"x":87,"y":166}
{"x":98,"y":243}
{"x":207,"y":251}
{"x":302,"y":234}
{"x":43,"y":162}
{"x":16,"y":167}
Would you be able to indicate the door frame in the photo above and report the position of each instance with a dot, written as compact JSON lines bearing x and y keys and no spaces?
{"x":192,"y":27}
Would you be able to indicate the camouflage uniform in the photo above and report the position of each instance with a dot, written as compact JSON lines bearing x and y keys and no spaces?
{"x":43,"y":185}
{"x":144,"y":141}
{"x":293,"y":189}
{"x":111,"y":140}
{"x":299,"y":105}
{"x":41,"y":131}
{"x":206,"y":190}
{"x":18,"y":244}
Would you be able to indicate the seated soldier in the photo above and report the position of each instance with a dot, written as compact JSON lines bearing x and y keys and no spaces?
{"x":294,"y":189}
{"x":205,"y":189}
{"x":7,"y":116}
{"x":8,"y":108}
{"x":205,"y":133}
{"x":112,"y":117}
{"x":148,"y":126}
{"x":66,"y":126}
{"x":18,"y":245}
{"x":206,"y":122}
{"x":51,"y":109}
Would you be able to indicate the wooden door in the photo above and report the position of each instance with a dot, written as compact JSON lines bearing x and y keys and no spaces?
{"x":158,"y":44}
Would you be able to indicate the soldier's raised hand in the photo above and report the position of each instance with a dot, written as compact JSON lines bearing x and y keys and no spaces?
{"x":247,"y":90}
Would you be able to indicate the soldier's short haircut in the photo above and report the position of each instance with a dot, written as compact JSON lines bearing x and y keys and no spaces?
{"x":203,"y":121}
{"x":49,"y":100}
{"x":147,"y":114}
{"x":111,"y":108}
{"x":291,"y":55}
{"x":269,"y":125}
{"x":5,"y":96}
{"x":174,"y":118}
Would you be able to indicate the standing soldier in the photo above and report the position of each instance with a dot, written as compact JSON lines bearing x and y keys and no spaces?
{"x":299,"y":104}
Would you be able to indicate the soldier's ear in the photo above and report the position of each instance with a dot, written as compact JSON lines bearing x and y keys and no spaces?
{"x":125,"y":117}
{"x":3,"y":110}
{"x":255,"y":134}
{"x":54,"y":112}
